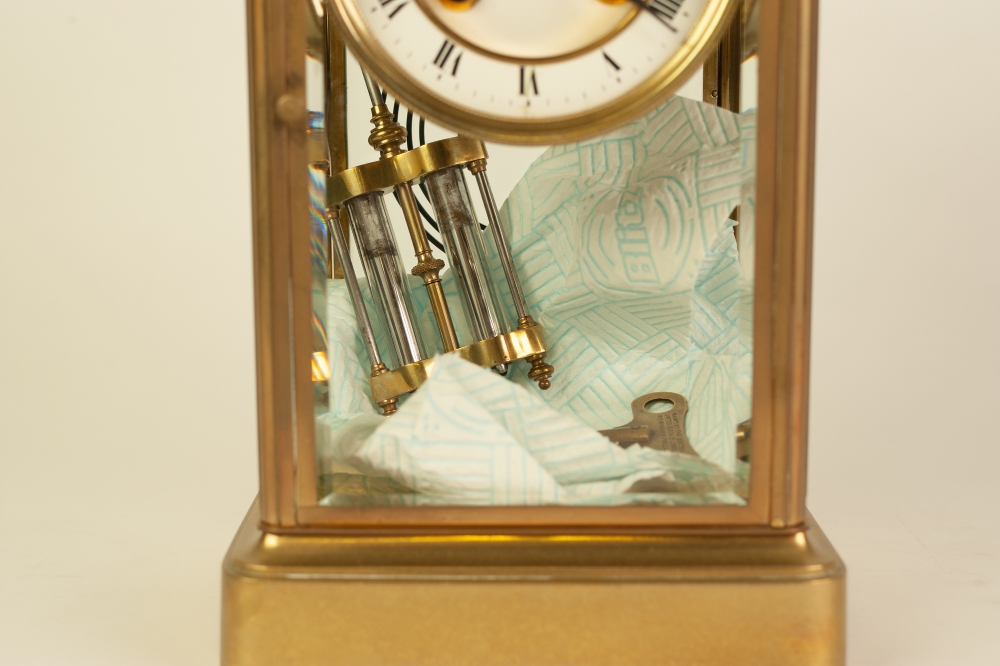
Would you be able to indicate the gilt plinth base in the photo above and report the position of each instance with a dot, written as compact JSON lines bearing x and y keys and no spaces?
{"x":729,"y":600}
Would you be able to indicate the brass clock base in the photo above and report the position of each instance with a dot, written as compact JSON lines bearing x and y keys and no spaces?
{"x":483,"y":600}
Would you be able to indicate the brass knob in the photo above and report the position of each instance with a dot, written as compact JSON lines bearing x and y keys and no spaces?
{"x":291,"y":109}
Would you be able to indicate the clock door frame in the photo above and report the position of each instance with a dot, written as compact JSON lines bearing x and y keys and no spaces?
{"x":288,"y":502}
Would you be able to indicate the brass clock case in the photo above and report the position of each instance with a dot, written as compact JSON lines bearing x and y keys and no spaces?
{"x":698,"y":46}
{"x":305,"y":583}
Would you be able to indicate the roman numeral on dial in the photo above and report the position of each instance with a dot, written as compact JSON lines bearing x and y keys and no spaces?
{"x":448,"y":54}
{"x":665,"y":10}
{"x":393,"y":6}
{"x":529,"y":83}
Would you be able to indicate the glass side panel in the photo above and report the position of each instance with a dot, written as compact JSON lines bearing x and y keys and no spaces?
{"x":629,"y":255}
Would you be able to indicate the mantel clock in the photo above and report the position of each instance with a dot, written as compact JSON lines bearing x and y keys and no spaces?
{"x":532,"y":286}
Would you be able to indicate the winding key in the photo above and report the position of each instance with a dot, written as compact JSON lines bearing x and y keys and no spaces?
{"x":656,"y":430}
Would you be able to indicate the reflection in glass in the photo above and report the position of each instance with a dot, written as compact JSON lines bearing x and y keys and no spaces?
{"x":319,"y":241}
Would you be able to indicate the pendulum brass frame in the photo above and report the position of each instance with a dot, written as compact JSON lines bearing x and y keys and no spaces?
{"x":396,"y":170}
{"x":403,"y":167}
{"x":525,"y":342}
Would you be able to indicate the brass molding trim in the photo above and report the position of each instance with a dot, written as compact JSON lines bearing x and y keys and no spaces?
{"x":801,"y":554}
{"x":503,"y":519}
{"x":785,"y":161}
{"x":277,"y":44}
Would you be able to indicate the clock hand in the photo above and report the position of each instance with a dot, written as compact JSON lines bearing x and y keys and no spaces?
{"x":664,"y":10}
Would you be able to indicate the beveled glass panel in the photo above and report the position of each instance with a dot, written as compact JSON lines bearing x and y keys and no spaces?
{"x":635,"y":255}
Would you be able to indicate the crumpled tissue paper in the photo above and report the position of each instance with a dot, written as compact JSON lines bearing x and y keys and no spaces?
{"x":468,"y":436}
{"x":625,"y":249}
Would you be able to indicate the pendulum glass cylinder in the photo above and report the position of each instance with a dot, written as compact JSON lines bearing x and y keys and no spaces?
{"x":390,"y":293}
{"x":466,"y":251}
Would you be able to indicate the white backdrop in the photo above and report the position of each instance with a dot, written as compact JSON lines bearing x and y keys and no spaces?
{"x":127,"y":426}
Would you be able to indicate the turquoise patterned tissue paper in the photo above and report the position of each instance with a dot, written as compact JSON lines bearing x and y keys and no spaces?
{"x":468,"y":436}
{"x":627,"y":255}
{"x":629,"y":261}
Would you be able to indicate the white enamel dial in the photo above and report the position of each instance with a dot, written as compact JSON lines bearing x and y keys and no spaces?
{"x":531,"y":69}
